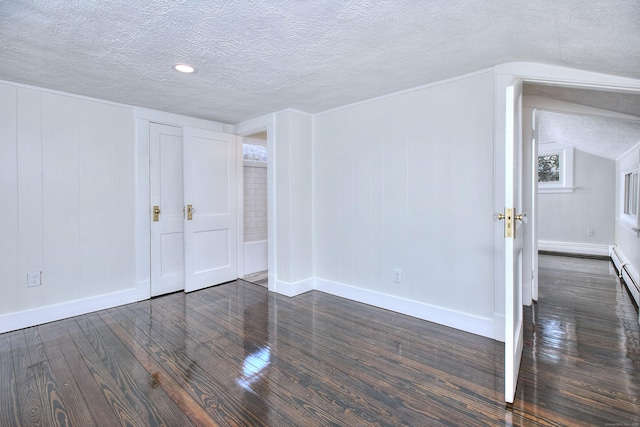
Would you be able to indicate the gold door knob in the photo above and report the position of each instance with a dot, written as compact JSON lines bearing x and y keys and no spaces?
{"x":156,"y":213}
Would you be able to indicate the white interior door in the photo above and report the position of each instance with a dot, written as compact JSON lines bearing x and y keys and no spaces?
{"x":533,"y":223}
{"x":210,"y":240}
{"x":514,"y":242}
{"x":167,"y":236}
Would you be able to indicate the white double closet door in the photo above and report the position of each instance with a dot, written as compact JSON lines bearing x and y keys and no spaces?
{"x":192,"y":177}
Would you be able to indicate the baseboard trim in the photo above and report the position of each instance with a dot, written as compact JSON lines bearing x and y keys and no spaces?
{"x":498,"y":322}
{"x":293,"y":289}
{"x":50,"y":313}
{"x":526,"y":290}
{"x":144,"y":290}
{"x":451,"y":318}
{"x":627,"y":273}
{"x":574,"y":248}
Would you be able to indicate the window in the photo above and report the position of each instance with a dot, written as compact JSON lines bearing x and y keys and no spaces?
{"x":630,"y":200}
{"x":549,"y":168}
{"x":555,"y":168}
{"x":254,"y":153}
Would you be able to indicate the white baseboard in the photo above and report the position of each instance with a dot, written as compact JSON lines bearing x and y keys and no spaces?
{"x":271,"y":282}
{"x":144,"y":290}
{"x":454,"y":319}
{"x":293,"y":289}
{"x":50,"y":313}
{"x":526,"y":293}
{"x":498,"y":322}
{"x":574,"y":248}
{"x":627,"y":272}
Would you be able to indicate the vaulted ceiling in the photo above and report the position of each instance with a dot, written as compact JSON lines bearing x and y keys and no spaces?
{"x":254,"y":57}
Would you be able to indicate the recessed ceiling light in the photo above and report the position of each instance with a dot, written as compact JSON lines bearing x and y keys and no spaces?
{"x":184,"y":68}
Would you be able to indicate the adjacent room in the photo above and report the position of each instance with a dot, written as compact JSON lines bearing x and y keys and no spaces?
{"x":319,"y":213}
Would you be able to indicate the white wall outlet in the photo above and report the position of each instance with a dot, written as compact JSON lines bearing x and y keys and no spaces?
{"x":34,"y":279}
{"x":590,"y":232}
{"x":397,"y":275}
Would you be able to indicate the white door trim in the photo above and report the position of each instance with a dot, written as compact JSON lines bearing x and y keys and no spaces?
{"x":264,"y":123}
{"x":143,"y":117}
{"x":547,"y":74}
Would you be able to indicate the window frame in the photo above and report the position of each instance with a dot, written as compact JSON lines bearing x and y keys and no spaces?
{"x":630,"y":218}
{"x":565,"y":153}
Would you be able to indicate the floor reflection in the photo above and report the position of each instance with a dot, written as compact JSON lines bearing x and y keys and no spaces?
{"x":257,"y":352}
{"x":581,"y":341}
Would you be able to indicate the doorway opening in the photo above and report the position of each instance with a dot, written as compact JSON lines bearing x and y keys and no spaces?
{"x":581,"y":131}
{"x":255,"y":163}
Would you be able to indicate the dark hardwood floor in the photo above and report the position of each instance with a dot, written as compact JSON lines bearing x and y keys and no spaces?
{"x":236,"y":355}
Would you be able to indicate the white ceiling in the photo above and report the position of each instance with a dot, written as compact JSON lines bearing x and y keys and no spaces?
{"x":609,"y":130}
{"x":618,"y":102}
{"x":254,"y":57}
{"x":602,"y":136}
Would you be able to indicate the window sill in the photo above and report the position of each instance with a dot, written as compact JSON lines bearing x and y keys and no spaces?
{"x":548,"y":190}
{"x":254,"y":164}
{"x":628,"y":222}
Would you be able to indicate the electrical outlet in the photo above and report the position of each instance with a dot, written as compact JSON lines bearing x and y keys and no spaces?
{"x":34,"y":279}
{"x":397,"y":275}
{"x":590,"y":232}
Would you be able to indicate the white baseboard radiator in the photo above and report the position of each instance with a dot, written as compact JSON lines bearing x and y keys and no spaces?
{"x":626,"y":273}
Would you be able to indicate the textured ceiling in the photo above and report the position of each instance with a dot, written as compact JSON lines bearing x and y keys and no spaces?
{"x":618,"y":102}
{"x":255,"y":57}
{"x":602,"y":136}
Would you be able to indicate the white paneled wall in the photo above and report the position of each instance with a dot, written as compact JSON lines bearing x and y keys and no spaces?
{"x":8,"y":200}
{"x":566,"y":217}
{"x":293,"y":196}
{"x":406,"y":182}
{"x":67,"y":193}
{"x":255,"y":203}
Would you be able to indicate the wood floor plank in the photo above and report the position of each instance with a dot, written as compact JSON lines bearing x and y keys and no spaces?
{"x":78,"y":412}
{"x":235,"y":355}
{"x":341,"y":377}
{"x":204,"y":386}
{"x":213,"y":373}
{"x":176,"y":390}
{"x":138,"y":385}
{"x":238,"y":355}
{"x":109,"y":387}
{"x":60,"y":334}
{"x":9,"y":405}
{"x":584,"y":357}
{"x":27,"y":384}
{"x":54,"y":411}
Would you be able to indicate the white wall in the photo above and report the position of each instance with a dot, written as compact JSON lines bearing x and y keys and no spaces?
{"x":67,"y":205}
{"x":565,"y":217}
{"x":627,"y":240}
{"x":293,"y":200}
{"x":406,"y":181}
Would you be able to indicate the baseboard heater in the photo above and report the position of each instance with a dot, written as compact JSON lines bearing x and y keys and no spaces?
{"x":624,"y":272}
